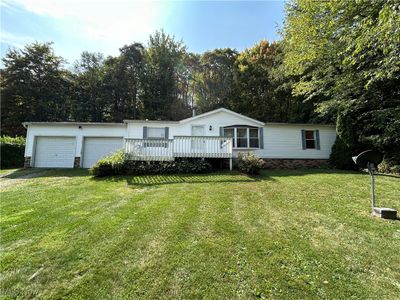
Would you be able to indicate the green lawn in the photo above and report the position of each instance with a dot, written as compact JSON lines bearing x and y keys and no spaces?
{"x":6,"y":171}
{"x":282,"y":235}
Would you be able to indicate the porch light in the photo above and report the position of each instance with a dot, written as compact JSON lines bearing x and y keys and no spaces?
{"x":210,"y":128}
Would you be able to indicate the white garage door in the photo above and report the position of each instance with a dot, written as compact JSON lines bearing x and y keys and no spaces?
{"x":55,"y":152}
{"x":96,"y":148}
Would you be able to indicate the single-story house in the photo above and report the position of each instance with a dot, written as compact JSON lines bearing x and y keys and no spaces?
{"x":220,"y":133}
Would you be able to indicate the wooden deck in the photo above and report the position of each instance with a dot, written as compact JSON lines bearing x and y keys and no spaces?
{"x":179,"y":146}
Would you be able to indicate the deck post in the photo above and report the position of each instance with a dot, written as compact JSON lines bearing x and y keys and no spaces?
{"x":230,"y":164}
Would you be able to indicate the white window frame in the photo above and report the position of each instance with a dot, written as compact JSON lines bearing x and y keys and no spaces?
{"x":247,"y":135}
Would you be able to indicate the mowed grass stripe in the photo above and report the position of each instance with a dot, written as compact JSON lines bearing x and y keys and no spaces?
{"x":285,"y":234}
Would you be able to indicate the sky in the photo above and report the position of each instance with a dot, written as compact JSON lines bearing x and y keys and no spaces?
{"x":105,"y":25}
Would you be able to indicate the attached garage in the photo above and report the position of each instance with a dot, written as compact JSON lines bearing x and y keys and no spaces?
{"x":94,"y":148}
{"x":54,"y":152}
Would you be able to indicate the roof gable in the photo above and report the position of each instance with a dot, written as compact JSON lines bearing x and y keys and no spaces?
{"x":224,"y":110}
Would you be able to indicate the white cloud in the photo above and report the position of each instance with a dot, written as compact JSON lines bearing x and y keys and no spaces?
{"x":15,"y":40}
{"x":117,"y":22}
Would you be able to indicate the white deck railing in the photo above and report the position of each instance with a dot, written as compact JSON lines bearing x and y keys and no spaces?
{"x":149,"y":149}
{"x":202,"y":146}
{"x":180,"y":146}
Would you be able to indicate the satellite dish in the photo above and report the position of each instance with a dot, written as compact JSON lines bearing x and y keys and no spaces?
{"x":370,"y":159}
{"x":370,"y":156}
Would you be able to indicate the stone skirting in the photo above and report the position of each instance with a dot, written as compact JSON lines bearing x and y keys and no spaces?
{"x":280,"y":163}
{"x":77,"y":162}
{"x":27,"y":161}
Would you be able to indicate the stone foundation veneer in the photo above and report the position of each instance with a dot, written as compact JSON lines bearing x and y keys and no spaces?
{"x":280,"y":163}
{"x":77,"y":162}
{"x":27,"y":161}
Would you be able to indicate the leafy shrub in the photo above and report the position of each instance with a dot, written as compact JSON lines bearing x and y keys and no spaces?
{"x":250,"y":163}
{"x":12,"y":151}
{"x":112,"y":164}
{"x":116,"y":164}
{"x":341,"y":156}
{"x":183,"y":165}
{"x":387,"y":166}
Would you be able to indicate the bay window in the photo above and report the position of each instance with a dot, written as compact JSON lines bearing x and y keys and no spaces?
{"x":254,"y":138}
{"x":243,"y":136}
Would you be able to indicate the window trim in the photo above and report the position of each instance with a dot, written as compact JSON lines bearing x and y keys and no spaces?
{"x":314,"y":139}
{"x":235,"y":136}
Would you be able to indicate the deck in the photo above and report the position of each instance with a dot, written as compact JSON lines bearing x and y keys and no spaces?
{"x":179,"y":146}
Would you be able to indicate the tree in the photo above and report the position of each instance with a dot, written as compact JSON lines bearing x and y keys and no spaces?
{"x":90,"y":105}
{"x":346,"y":54}
{"x":164,"y":58}
{"x":133,"y":63}
{"x":214,"y":80}
{"x":34,"y":87}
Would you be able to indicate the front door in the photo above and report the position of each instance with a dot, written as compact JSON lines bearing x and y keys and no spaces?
{"x":198,"y":144}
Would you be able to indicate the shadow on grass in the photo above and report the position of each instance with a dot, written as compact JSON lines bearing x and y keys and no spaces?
{"x":388,"y":175}
{"x":216,"y":177}
{"x":40,"y":172}
{"x":304,"y":172}
{"x":154,"y":180}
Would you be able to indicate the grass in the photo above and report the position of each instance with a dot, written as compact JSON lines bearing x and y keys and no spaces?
{"x":281,"y":235}
{"x":5,"y":171}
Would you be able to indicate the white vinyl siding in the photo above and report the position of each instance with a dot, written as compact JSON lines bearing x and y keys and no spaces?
{"x":94,"y":148}
{"x":212,"y":124}
{"x":275,"y":140}
{"x":54,"y":152}
{"x":284,"y":141}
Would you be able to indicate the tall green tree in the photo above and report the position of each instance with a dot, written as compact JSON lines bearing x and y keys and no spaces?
{"x":133,"y":63}
{"x":90,"y":101}
{"x":347,"y":54}
{"x":214,"y":80}
{"x":263,"y":90}
{"x":122,"y":83}
{"x":164,"y":59}
{"x":34,"y":87}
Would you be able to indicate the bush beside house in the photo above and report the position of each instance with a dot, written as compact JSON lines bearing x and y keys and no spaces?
{"x":249,"y":163}
{"x":341,"y":156}
{"x":116,"y":164}
{"x":12,"y":151}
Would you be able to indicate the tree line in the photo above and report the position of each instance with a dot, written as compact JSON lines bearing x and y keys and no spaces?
{"x":337,"y":62}
{"x":160,"y":80}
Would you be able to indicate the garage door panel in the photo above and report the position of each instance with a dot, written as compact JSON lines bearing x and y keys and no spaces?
{"x":95,"y":148}
{"x":55,"y":152}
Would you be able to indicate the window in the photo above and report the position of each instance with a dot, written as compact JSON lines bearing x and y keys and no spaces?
{"x":243,"y":137}
{"x":253,"y":136}
{"x":155,"y":133}
{"x":310,"y":139}
{"x":229,"y":132}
